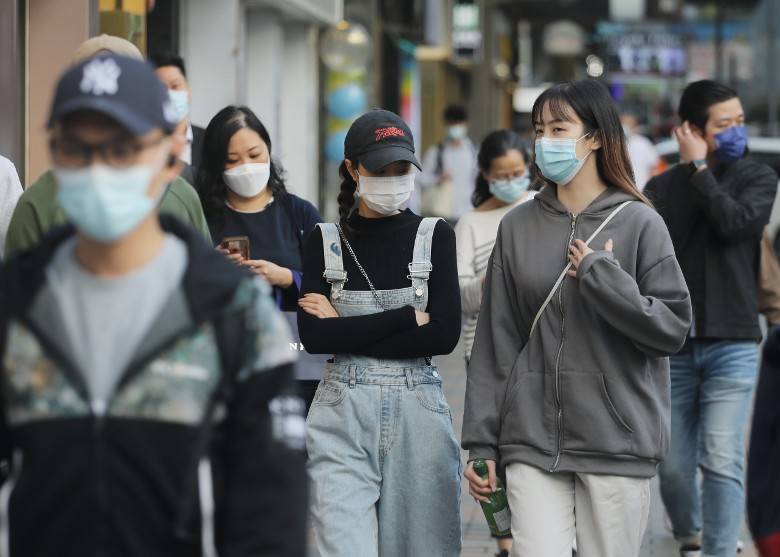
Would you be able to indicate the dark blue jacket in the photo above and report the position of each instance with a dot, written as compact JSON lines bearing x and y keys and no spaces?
{"x":763,"y":482}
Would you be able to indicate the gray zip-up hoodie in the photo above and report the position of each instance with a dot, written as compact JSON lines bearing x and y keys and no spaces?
{"x":589,"y":392}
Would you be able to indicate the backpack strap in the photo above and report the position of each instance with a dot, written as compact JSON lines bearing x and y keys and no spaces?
{"x":562,"y":276}
{"x":334,"y":272}
{"x":440,"y":158}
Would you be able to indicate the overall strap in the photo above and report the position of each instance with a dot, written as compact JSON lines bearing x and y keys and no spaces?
{"x":562,"y":276}
{"x":420,"y":268}
{"x":334,"y":273}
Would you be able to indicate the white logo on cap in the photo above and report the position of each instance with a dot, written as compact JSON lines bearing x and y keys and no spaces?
{"x":101,"y":77}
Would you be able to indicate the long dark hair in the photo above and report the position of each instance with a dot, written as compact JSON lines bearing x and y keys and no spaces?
{"x":594,"y":106}
{"x":209,"y":182}
{"x":496,"y":144}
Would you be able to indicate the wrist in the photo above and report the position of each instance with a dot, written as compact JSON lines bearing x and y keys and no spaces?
{"x":697,"y":165}
{"x":287,"y":278}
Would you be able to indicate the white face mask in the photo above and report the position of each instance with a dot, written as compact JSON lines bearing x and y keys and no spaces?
{"x":386,"y":194}
{"x":248,"y":180}
{"x":457,"y":132}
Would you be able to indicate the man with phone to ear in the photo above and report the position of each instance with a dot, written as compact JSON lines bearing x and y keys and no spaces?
{"x":716,"y":203}
{"x":144,"y":379}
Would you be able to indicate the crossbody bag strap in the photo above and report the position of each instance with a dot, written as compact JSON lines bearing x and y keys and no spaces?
{"x":562,"y":276}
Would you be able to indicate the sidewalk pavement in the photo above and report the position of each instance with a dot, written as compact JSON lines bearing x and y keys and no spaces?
{"x":658,"y":540}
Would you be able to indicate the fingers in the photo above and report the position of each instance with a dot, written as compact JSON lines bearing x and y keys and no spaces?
{"x":477,"y":496}
{"x":317,"y":305}
{"x":475,"y":478}
{"x":313,"y":296}
{"x":491,"y":465}
{"x":609,"y":245}
{"x":572,"y":274}
{"x":312,"y":309}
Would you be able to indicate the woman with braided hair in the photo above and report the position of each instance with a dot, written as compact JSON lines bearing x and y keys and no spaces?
{"x":380,"y":293}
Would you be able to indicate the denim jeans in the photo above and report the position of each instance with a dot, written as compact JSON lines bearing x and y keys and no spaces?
{"x":384,"y":464}
{"x":712,"y":386}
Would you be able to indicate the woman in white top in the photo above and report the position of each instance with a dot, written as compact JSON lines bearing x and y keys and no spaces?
{"x":10,"y":192}
{"x":502,"y":184}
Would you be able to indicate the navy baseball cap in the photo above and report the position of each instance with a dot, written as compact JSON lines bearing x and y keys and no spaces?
{"x":125,"y":89}
{"x":378,"y":138}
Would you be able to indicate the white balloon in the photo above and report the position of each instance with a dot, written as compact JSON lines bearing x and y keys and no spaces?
{"x":346,"y":47}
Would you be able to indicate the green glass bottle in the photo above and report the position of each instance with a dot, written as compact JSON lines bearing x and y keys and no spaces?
{"x":497,"y":509}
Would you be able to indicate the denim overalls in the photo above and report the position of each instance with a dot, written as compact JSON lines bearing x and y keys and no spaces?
{"x":384,"y":464}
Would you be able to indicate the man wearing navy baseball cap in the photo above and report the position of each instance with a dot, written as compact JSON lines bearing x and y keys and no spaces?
{"x":144,"y":377}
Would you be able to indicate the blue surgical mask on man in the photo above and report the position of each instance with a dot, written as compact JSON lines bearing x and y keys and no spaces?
{"x":557,"y":159}
{"x":731,"y":144}
{"x":103,"y":202}
{"x":510,"y":190}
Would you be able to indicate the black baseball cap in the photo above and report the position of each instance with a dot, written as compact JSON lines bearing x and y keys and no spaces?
{"x":125,"y":89}
{"x":378,"y":138}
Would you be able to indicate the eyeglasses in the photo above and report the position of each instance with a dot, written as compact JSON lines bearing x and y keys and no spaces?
{"x":70,"y":152}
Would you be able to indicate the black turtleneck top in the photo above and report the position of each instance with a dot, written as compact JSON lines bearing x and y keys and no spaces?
{"x":384,"y":247}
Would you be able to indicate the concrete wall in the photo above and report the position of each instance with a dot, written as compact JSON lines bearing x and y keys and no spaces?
{"x":212,"y":44}
{"x":258,"y":57}
{"x":299,"y":111}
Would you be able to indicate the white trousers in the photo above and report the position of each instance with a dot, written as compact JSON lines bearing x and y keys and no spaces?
{"x":607,"y":514}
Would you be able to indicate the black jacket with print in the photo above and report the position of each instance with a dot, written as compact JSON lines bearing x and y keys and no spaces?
{"x":211,"y":379}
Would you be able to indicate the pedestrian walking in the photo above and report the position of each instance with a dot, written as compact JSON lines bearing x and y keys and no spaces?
{"x":502,"y":184}
{"x":381,"y":295}
{"x":172,"y":72}
{"x":243,"y":194}
{"x":641,"y":151}
{"x":145,"y":379}
{"x":568,"y":385}
{"x":449,"y":169}
{"x":38,"y":209}
{"x":716,"y":203}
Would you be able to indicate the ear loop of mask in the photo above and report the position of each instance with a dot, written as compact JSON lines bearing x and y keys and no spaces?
{"x":580,"y":162}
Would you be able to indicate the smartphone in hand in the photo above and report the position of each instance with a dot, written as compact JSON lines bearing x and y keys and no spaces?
{"x":236,"y":244}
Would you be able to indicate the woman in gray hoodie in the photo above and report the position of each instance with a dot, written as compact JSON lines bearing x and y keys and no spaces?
{"x":568,"y":384}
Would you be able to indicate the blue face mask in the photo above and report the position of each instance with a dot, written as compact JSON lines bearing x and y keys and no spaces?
{"x":105,"y":203}
{"x":509,"y":191}
{"x":731,"y":144}
{"x":557,"y":159}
